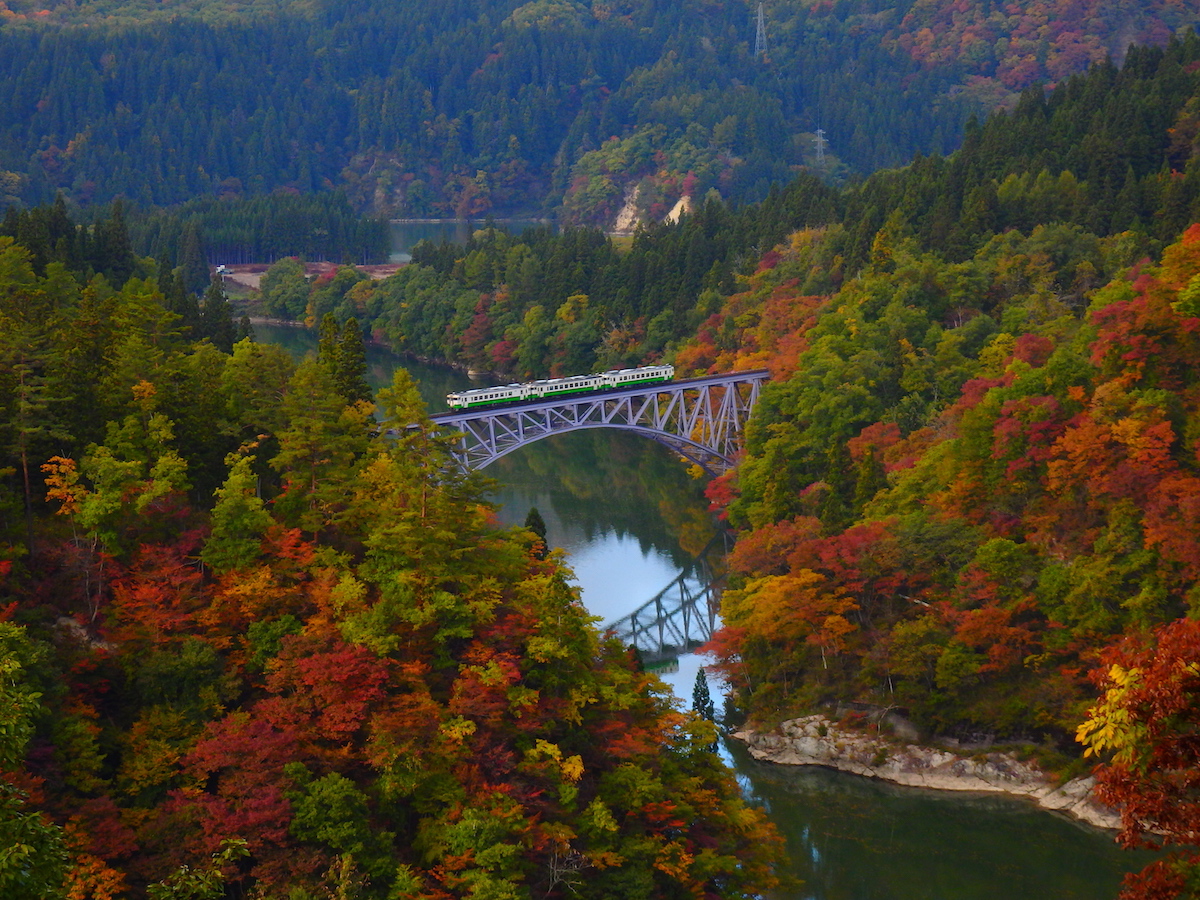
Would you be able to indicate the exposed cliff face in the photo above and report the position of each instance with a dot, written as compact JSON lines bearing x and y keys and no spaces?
{"x":633,"y":212}
{"x":682,"y":207}
{"x":628,"y":218}
{"x":817,"y":741}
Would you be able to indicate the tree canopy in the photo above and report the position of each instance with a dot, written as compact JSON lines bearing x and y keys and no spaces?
{"x":252,"y":640}
{"x":471,"y":108}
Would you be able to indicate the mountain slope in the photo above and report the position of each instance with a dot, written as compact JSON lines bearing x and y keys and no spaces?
{"x":478,"y":107}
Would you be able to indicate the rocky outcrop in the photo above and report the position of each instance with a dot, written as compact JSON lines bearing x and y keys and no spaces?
{"x":682,"y":207}
{"x":816,"y":741}
{"x":627,"y":216}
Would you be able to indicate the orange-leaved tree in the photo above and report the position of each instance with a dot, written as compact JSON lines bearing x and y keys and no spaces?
{"x":1145,"y":729}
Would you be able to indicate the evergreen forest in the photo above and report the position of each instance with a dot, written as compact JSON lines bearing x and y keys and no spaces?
{"x":479,"y":107}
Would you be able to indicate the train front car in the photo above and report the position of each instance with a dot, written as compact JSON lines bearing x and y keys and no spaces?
{"x":486,"y":396}
{"x":616,"y":378}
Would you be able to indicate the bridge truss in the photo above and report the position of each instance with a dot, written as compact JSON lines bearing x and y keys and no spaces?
{"x":701,"y":419}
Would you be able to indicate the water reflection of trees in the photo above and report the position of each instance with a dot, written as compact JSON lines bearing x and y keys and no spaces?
{"x":599,"y":481}
{"x":863,"y":838}
{"x":604,"y":480}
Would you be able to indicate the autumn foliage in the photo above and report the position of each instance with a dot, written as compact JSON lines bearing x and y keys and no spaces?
{"x":328,"y":672}
{"x":1144,"y":727}
{"x":974,"y":480}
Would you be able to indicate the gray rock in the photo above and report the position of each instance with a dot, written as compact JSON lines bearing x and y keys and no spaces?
{"x":817,"y":741}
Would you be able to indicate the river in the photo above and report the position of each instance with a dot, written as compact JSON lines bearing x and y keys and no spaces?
{"x":629,"y":517}
{"x":407,"y":233}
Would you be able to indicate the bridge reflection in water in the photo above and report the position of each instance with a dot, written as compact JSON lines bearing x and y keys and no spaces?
{"x":684,"y":614}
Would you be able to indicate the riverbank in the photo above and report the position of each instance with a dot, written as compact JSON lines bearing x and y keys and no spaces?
{"x":249,"y":275}
{"x":277,"y":323}
{"x":818,"y":741}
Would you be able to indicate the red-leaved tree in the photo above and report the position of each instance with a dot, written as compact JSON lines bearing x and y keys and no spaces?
{"x":1148,"y":722}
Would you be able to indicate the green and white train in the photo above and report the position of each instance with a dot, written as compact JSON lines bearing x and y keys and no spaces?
{"x":560,"y":387}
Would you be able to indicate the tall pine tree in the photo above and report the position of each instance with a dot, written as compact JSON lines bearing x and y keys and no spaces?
{"x":350,"y":365}
{"x":216,"y":317}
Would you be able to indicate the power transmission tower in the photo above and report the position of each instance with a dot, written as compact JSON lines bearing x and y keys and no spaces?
{"x":760,"y":34}
{"x":820,"y":141}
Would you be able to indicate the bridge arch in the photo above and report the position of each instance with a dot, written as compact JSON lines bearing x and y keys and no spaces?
{"x":688,"y":449}
{"x":702,"y":419}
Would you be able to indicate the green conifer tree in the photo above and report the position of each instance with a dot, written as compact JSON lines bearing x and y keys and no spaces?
{"x":178,"y":300}
{"x":535,"y":523}
{"x":245,"y":331}
{"x":702,"y":701}
{"x":112,"y":252}
{"x":193,"y":262}
{"x":239,"y":518}
{"x":350,"y":364}
{"x":216,"y":317}
{"x":329,"y":338}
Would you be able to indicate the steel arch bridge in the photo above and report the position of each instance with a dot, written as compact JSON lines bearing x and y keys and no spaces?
{"x":701,"y":419}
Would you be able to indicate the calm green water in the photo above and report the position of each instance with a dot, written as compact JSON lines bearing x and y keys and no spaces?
{"x":406,"y":234}
{"x":851,"y":838}
{"x":629,"y":516}
{"x":433,"y":382}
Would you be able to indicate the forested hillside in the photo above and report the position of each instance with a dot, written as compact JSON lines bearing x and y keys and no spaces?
{"x":249,"y":641}
{"x":1106,"y":156}
{"x":973,"y":481}
{"x":244,"y":632}
{"x":252,"y":228}
{"x":496,"y":106}
{"x":971,"y":492}
{"x":955,"y":468}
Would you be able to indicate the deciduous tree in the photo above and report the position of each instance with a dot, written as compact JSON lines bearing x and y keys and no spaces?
{"x":1144,"y":731}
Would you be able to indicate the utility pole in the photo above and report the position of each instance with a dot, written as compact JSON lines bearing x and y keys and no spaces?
{"x":760,"y":34}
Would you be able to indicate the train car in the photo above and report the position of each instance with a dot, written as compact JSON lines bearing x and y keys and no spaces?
{"x":486,"y":396}
{"x":559,"y":387}
{"x":644,"y":375}
{"x":562,"y":387}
